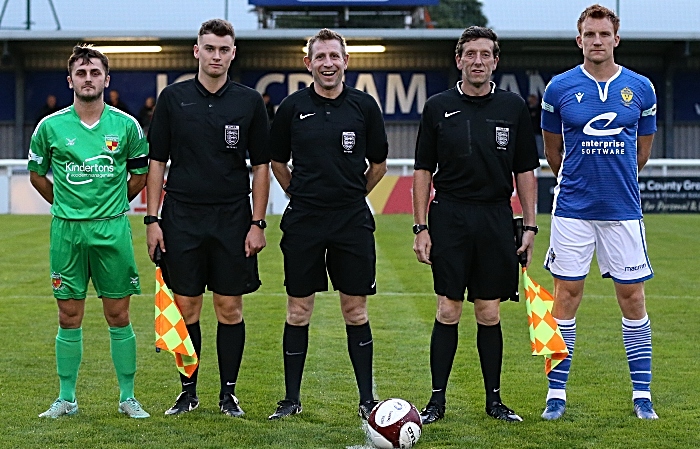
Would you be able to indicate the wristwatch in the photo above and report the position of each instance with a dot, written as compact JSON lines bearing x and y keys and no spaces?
{"x":262,"y":224}
{"x":534,"y":229}
{"x":148,"y":219}
{"x":418,"y":228}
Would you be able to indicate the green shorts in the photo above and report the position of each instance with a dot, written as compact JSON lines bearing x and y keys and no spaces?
{"x":97,"y":249}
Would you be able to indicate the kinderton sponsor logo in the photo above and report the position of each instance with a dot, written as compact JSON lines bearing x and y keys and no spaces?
{"x":93,"y":167}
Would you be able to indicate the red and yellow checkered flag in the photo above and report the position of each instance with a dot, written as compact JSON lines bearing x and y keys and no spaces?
{"x":171,"y":332}
{"x":545,"y":336}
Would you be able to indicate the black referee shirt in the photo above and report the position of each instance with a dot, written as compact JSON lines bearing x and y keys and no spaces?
{"x":476,"y":144}
{"x":206,"y":136}
{"x":328,"y":141}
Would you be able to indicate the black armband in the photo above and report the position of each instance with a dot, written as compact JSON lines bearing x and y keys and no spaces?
{"x":137,"y":162}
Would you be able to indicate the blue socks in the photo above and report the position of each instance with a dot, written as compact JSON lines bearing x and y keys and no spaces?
{"x":636,"y":335}
{"x":560,"y":374}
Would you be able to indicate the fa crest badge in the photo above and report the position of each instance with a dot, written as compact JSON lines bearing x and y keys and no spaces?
{"x":502,"y":137}
{"x":231,"y":134}
{"x":627,"y":96}
{"x":56,"y":281}
{"x":348,"y":141}
{"x":112,"y":143}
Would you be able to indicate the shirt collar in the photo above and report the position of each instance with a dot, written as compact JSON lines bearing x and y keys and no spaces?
{"x":203,"y":90}
{"x":319,"y":100}
{"x":477,"y":98}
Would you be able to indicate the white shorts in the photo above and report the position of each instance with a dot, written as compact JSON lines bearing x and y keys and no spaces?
{"x":620,"y":247}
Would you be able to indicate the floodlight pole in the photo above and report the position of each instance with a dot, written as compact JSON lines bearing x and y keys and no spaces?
{"x":4,"y":7}
{"x":28,"y":23}
{"x":55,"y":16}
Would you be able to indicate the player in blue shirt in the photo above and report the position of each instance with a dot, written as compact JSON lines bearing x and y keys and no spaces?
{"x":598,"y":124}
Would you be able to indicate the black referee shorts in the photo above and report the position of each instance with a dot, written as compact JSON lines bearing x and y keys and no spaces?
{"x":340,"y":241}
{"x":205,"y":247}
{"x":473,"y":249}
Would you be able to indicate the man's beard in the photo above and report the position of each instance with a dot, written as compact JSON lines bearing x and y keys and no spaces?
{"x":89,"y":98}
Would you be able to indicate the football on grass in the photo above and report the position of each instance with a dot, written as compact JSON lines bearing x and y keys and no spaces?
{"x":394,"y":423}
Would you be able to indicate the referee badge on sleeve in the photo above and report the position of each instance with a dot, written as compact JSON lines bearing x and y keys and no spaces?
{"x":348,"y":141}
{"x":502,"y":137}
{"x":231,"y":134}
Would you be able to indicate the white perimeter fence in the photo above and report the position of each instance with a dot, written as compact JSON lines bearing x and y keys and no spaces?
{"x":17,"y":196}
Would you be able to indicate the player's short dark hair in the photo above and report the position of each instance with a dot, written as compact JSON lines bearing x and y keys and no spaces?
{"x":325,"y":35}
{"x":475,"y":32}
{"x":598,"y":12}
{"x":218,"y":27}
{"x":84,"y":53}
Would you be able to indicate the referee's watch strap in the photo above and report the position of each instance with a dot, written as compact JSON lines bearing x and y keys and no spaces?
{"x":534,"y":229}
{"x":262,"y":224}
{"x":418,"y":228}
{"x":148,"y":219}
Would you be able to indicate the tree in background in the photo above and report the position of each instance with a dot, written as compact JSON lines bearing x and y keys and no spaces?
{"x":455,"y":14}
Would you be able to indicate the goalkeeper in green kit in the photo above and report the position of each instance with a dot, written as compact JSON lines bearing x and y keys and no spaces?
{"x":99,"y":159}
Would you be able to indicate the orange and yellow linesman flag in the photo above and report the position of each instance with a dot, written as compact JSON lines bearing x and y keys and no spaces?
{"x":545,"y":336}
{"x":171,"y":332}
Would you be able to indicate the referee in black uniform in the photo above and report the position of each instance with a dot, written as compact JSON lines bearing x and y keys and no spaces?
{"x":331,"y":131}
{"x":477,"y":137}
{"x":209,"y":236}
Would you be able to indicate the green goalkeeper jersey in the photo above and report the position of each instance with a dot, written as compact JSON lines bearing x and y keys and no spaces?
{"x":89,"y":163}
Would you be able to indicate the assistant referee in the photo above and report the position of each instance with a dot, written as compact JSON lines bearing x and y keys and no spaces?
{"x":336,"y":137}
{"x":209,"y":236}
{"x":477,"y":137}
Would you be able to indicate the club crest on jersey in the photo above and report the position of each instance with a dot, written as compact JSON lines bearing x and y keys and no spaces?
{"x":627,"y":96}
{"x":502,"y":137}
{"x":348,"y":141}
{"x":56,"y":281}
{"x":231,"y":134}
{"x":112,"y":143}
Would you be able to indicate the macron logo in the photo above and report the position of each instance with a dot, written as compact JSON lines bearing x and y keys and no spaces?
{"x":579,"y":96}
{"x":303,"y":116}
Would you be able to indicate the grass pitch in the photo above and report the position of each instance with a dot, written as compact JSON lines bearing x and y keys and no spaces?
{"x":599,"y":414}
